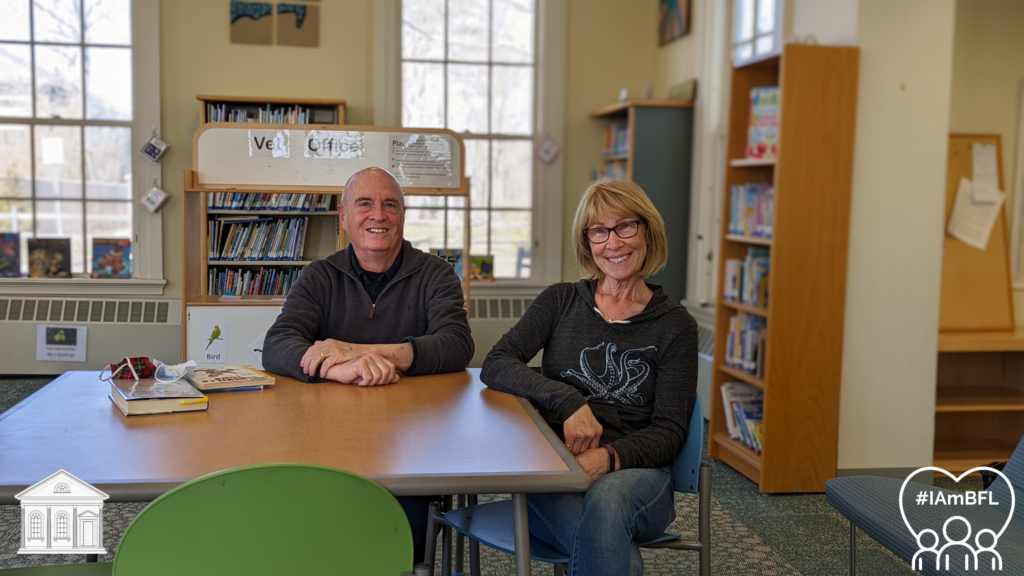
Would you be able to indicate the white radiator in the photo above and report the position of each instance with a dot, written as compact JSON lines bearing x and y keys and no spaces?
{"x":116,"y":328}
{"x":490,"y":318}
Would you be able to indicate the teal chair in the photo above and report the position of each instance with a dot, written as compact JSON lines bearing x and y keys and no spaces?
{"x":491,"y":524}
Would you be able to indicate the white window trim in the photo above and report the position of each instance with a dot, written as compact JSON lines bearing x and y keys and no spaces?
{"x":548,"y":180}
{"x":776,"y":35}
{"x":147,"y":229}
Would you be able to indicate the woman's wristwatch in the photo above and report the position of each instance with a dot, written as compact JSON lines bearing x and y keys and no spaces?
{"x":611,"y":457}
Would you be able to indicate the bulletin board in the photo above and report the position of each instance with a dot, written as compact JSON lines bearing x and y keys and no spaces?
{"x":976,"y":286}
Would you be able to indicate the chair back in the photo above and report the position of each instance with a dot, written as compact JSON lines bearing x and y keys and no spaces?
{"x":686,"y":467}
{"x":269,"y":519}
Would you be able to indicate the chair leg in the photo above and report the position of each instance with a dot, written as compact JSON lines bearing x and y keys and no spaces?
{"x":704,"y":518}
{"x":474,"y":546}
{"x":446,"y":542}
{"x":853,"y":549}
{"x":433,"y":522}
{"x":559,"y":570}
{"x":460,"y":543}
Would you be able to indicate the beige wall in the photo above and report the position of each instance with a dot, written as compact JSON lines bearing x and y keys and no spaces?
{"x":197,"y":58}
{"x":611,"y":45}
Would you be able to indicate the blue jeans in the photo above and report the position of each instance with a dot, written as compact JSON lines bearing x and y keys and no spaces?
{"x":600,"y":529}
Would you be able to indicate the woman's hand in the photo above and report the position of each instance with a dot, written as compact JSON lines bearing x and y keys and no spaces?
{"x":582,"y":431}
{"x":595,"y":462}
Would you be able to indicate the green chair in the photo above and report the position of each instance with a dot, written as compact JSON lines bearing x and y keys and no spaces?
{"x":269,"y":519}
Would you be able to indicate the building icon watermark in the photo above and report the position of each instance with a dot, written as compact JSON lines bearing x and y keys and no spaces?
{"x":61,"y":514}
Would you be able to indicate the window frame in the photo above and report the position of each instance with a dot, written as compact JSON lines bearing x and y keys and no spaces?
{"x":549,"y":120}
{"x":775,"y":34}
{"x":147,"y":229}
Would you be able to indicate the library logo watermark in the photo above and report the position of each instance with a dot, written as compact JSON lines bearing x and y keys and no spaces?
{"x":61,"y":514}
{"x":957,"y":549}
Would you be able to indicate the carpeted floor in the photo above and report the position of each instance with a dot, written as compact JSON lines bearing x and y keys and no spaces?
{"x":751,"y":533}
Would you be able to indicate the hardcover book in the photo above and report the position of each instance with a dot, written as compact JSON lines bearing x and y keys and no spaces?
{"x":452,"y":256}
{"x":149,"y":396}
{"x":49,"y":258}
{"x":111,"y":258}
{"x":229,"y":377}
{"x":10,"y":255}
{"x":481,"y":268}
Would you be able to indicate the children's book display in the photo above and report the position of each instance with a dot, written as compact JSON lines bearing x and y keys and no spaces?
{"x":10,"y":255}
{"x":49,"y":258}
{"x":763,"y":129}
{"x":481,"y":268}
{"x":230,"y":378}
{"x":150,"y":396}
{"x":111,"y":258}
{"x":743,"y":405}
{"x":452,"y":256}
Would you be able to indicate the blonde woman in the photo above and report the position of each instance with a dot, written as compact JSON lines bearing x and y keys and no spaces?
{"x":618,"y":382}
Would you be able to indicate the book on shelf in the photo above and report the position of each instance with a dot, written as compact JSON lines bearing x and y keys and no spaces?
{"x":252,"y":113}
{"x":752,"y":210}
{"x":268,"y":201}
{"x":746,"y":281}
{"x":49,"y":257}
{"x":111,"y":258}
{"x":257,"y":239}
{"x":616,"y":139}
{"x":250,"y":282}
{"x":734,"y":395}
{"x":452,"y":256}
{"x":229,"y":377}
{"x":745,"y":343}
{"x":749,"y":417}
{"x":10,"y":255}
{"x":150,"y":396}
{"x":763,"y":127}
{"x":612,"y":170}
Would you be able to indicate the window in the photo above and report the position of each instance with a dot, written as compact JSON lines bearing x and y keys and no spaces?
{"x":757,"y":29}
{"x":61,"y":488}
{"x":471,"y":66}
{"x":35,"y":522}
{"x":62,"y":525}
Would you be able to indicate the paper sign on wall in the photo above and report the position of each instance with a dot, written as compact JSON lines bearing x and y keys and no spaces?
{"x":421,"y":159}
{"x":60,"y":343}
{"x":214,"y":340}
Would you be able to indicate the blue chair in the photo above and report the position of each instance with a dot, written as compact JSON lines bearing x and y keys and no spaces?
{"x":491,"y":524}
{"x":872,"y":503}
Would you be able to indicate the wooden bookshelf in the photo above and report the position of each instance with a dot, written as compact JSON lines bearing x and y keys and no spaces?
{"x":659,"y":159}
{"x":322,"y":111}
{"x":804,"y":330}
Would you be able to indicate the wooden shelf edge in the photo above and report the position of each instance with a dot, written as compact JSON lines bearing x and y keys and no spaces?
{"x":749,"y":456}
{"x":979,"y":399}
{"x":958,"y":456}
{"x":615,"y":157}
{"x":750,"y":162}
{"x":622,"y":107}
{"x":984,"y":341}
{"x":741,"y":375}
{"x":762,"y":312}
{"x":749,"y":240}
{"x":243,"y":301}
{"x":258,"y":100}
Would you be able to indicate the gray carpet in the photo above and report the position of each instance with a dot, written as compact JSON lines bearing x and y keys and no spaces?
{"x":751,"y":533}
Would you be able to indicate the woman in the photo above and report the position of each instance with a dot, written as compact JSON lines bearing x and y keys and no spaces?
{"x":618,"y":383}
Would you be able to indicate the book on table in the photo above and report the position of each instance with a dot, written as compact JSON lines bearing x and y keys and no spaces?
{"x":150,"y":396}
{"x":227,"y":377}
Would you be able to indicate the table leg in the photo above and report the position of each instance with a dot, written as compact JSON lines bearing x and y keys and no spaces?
{"x":521,"y":531}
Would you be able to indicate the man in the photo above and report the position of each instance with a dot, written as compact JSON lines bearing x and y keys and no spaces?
{"x":377,"y":308}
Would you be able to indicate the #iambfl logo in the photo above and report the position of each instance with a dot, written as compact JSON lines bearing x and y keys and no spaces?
{"x":955,"y":548}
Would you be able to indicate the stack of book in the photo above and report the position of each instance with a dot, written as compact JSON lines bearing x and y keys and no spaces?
{"x":744,"y":406}
{"x":746,"y":280}
{"x":616,"y":140}
{"x":745,"y":344}
{"x":149,"y":396}
{"x":230,"y":378}
{"x":241,"y":282}
{"x":752,"y":210}
{"x":253,"y":201}
{"x":281,"y":115}
{"x":239,"y":238}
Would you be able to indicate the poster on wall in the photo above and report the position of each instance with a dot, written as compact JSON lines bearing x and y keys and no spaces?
{"x":214,"y":338}
{"x":673,"y":20}
{"x":60,"y":343}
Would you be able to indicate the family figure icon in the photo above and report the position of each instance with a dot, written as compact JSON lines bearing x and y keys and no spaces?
{"x":953,"y":548}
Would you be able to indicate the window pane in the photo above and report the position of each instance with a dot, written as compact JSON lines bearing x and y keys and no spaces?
{"x":467,"y":98}
{"x":510,"y":243}
{"x":107,"y":220}
{"x":108,"y":162}
{"x":58,"y":162}
{"x":478,"y":232}
{"x":512,"y":100}
{"x":456,"y":201}
{"x":513,"y":34}
{"x":743,"y":16}
{"x":108,"y":83}
{"x":423,"y":29}
{"x":764,"y":44}
{"x":58,"y":82}
{"x":512,"y":179}
{"x":478,"y":171}
{"x":744,"y":51}
{"x":57,"y":21}
{"x":424,"y":228}
{"x":15,"y":161}
{"x":15,"y":80}
{"x":424,"y":201}
{"x":468,"y":30}
{"x":14,"y":24}
{"x":456,"y":228}
{"x":765,"y":16}
{"x":16,"y":216}
{"x":422,"y":95}
{"x":108,"y":22}
{"x":62,"y":219}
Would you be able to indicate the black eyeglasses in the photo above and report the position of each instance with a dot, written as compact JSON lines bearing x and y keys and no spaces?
{"x":600,"y":235}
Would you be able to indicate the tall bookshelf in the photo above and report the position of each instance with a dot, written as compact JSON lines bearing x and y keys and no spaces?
{"x":657,"y":155}
{"x":319,"y":111}
{"x":803,"y":318}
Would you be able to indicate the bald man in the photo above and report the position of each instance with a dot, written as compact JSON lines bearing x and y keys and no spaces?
{"x":376,"y":309}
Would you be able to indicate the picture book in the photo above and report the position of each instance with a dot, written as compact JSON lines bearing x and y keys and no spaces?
{"x":763,"y":128}
{"x":229,"y":377}
{"x":49,"y":258}
{"x":111,"y":258}
{"x":149,"y":396}
{"x":734,"y":396}
{"x":481,"y":268}
{"x":10,"y":255}
{"x":452,"y":256}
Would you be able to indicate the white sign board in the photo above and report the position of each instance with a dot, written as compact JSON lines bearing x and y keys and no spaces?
{"x":60,"y":343}
{"x":214,"y":342}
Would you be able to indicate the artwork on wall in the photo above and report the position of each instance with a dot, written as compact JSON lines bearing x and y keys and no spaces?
{"x":298,"y":25}
{"x":252,"y":23}
{"x":673,"y":20}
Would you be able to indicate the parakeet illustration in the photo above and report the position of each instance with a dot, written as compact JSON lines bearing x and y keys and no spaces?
{"x":59,"y":338}
{"x":215,"y":335}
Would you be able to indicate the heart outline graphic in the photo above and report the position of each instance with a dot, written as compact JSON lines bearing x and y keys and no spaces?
{"x":1013,"y":496}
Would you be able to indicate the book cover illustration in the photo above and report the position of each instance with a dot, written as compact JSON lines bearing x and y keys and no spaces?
{"x":49,"y":258}
{"x":10,"y":255}
{"x":229,"y":376}
{"x":481,"y":268}
{"x":763,"y":129}
{"x":111,"y":258}
{"x":452,"y":256}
